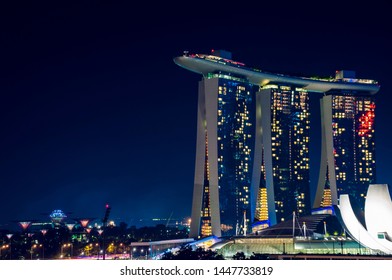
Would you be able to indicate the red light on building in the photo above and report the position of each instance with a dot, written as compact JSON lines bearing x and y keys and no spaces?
{"x":366,"y":122}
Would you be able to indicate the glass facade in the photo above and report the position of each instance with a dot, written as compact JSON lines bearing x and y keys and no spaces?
{"x":353,"y":144}
{"x":206,"y":229}
{"x":235,"y":148}
{"x":235,"y":143}
{"x":290,"y":127}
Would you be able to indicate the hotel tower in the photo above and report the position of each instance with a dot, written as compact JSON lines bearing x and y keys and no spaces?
{"x":348,"y":162}
{"x":252,"y":151}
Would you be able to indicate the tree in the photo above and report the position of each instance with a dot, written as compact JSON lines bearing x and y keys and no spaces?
{"x":257,"y":256}
{"x":187,"y":253}
{"x":239,"y":256}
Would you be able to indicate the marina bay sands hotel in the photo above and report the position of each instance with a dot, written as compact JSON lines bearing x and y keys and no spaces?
{"x":253,"y":135}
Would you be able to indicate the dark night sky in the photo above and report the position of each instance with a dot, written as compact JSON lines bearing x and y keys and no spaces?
{"x":94,"y":110}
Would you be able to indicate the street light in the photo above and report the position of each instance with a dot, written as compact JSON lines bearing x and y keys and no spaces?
{"x":34,"y":247}
{"x":31,"y":250}
{"x":121,"y":249}
{"x":43,"y":250}
{"x":69,"y":245}
{"x":43,"y":231}
{"x":3,"y":247}
{"x":9,"y":236}
{"x":98,"y":249}
{"x":142,"y":251}
{"x":61,"y":251}
{"x":102,"y":234}
{"x":114,"y":247}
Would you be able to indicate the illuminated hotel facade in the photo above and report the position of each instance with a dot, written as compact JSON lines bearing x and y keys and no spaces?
{"x":348,"y":163}
{"x":282,"y":161}
{"x":224,"y":153}
{"x":252,"y":154}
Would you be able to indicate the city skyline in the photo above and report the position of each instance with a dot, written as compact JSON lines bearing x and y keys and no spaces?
{"x":76,"y":134}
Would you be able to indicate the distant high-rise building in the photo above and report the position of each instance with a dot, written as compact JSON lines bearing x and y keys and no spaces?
{"x":252,"y":154}
{"x":348,"y":163}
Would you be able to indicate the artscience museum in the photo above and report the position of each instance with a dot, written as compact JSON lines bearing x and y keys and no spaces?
{"x":372,"y":228}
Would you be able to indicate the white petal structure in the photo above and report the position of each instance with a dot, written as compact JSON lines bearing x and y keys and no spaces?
{"x":378,"y":219}
{"x":355,"y":228}
{"x":378,"y":210}
{"x":378,"y":214}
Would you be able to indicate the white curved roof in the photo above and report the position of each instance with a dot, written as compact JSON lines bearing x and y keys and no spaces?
{"x":355,"y":228}
{"x":378,"y":218}
{"x":378,"y":210}
{"x":204,"y":64}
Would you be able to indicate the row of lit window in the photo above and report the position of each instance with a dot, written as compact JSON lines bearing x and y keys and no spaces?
{"x":299,"y":142}
{"x":301,"y":167}
{"x":367,"y":163}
